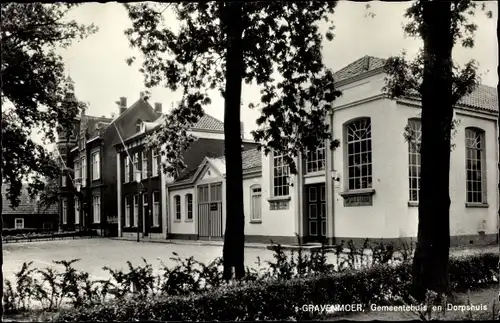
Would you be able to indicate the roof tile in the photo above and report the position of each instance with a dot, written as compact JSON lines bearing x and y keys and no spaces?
{"x":26,"y":205}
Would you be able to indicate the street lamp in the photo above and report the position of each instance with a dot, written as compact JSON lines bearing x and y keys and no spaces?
{"x":138,"y":180}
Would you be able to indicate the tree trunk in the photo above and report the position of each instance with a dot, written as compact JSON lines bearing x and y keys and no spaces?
{"x":430,"y":264}
{"x":234,"y":237}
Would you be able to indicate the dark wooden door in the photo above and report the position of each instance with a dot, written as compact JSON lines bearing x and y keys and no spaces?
{"x":316,"y":211}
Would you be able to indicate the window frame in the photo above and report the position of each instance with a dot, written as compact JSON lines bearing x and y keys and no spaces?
{"x":64,"y":179}
{"x":96,"y":165}
{"x":156,"y":208}
{"x":77,"y":210}
{"x":145,"y":205}
{"x":135,"y":219}
{"x":22,"y":223}
{"x":282,"y":190}
{"x":64,"y":207}
{"x":355,"y":183}
{"x":128,"y":213}
{"x":135,"y":168}
{"x":96,"y":216}
{"x":482,"y":193}
{"x":317,"y":164}
{"x":126,"y":169}
{"x":189,"y":207}
{"x":414,"y":160}
{"x":84,"y":170}
{"x":155,"y":163}
{"x":144,"y":164}
{"x":253,"y":193}
{"x":177,"y":208}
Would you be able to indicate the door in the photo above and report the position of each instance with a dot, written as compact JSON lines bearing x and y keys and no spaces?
{"x":316,"y":211}
{"x":210,"y":211}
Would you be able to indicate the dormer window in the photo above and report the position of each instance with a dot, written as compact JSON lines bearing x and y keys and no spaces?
{"x":138,"y":126}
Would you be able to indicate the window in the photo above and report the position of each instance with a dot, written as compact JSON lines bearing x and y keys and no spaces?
{"x":19,"y":223}
{"x":64,"y":211}
{"x":145,"y":209}
{"x":156,"y":209}
{"x":316,"y":159}
{"x":177,"y":203}
{"x":136,"y":210}
{"x":127,"y":211}
{"x":281,"y":173}
{"x":63,"y":180}
{"x":127,"y":170}
{"x":77,"y":211}
{"x":475,"y":165}
{"x":138,"y":126}
{"x":96,"y":208}
{"x":255,"y":203}
{"x":82,"y":141}
{"x":145,"y":164}
{"x":359,"y":154}
{"x":414,"y":160}
{"x":155,"y":163}
{"x":95,"y":166}
{"x":189,"y":206}
{"x":84,"y":171}
{"x":77,"y":169}
{"x":136,"y":166}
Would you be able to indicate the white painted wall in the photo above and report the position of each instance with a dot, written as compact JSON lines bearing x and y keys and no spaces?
{"x":183,"y":226}
{"x":390,"y":216}
{"x":274,"y":222}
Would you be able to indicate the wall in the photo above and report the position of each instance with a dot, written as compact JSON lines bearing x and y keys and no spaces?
{"x":390,"y":216}
{"x":276,"y":223}
{"x":183,"y":226}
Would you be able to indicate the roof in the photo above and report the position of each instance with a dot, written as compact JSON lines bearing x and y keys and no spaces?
{"x":482,"y":98}
{"x":251,"y":162}
{"x":119,"y":116}
{"x":26,"y":205}
{"x":206,"y":123}
{"x":91,"y":122}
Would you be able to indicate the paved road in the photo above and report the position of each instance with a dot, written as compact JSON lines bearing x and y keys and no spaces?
{"x":96,"y":253}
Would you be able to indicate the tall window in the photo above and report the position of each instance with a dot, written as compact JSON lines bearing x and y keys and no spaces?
{"x":156,"y":209}
{"x":155,"y":163}
{"x":136,"y":210}
{"x":475,"y":165}
{"x":127,"y":211}
{"x":255,"y":203}
{"x":64,"y":211}
{"x":414,"y":161}
{"x":145,"y":164}
{"x":77,"y":169}
{"x":177,"y":204}
{"x":63,"y":180}
{"x":19,"y":223}
{"x":127,"y":170}
{"x":82,"y":141}
{"x":77,"y":210}
{"x":96,"y":208}
{"x":145,"y":209}
{"x":136,"y":166}
{"x":84,"y":171}
{"x":189,"y":206}
{"x":95,"y":166}
{"x":359,"y":154}
{"x":281,"y":173}
{"x":316,"y":159}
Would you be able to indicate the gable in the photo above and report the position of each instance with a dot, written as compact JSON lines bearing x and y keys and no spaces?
{"x":209,"y":172}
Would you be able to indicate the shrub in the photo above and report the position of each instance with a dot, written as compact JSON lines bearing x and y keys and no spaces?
{"x":279,"y":299}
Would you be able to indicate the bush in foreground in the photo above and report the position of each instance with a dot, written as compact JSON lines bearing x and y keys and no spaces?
{"x":280,"y":299}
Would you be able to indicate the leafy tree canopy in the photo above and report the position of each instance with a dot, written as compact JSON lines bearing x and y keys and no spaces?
{"x":34,"y":94}
{"x":282,"y":55}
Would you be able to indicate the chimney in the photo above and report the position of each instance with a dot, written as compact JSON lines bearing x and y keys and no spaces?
{"x":242,"y":130}
{"x":158,"y":108}
{"x":122,"y":105}
{"x":141,"y":95}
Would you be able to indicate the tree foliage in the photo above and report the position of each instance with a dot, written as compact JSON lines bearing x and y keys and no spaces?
{"x":34,"y":94}
{"x":281,"y":54}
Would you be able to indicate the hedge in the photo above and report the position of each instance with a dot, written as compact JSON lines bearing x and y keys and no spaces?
{"x":13,"y":231}
{"x":43,"y":235}
{"x":278,"y":299}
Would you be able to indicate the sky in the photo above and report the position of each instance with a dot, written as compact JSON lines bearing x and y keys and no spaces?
{"x":97,"y":63}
